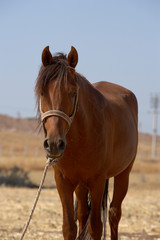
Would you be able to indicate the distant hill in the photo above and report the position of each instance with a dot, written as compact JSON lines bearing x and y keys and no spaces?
{"x":146,"y":137}
{"x":31,"y":126}
{"x":18,"y":124}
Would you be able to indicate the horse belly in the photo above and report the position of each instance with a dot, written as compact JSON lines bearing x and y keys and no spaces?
{"x":123,"y":154}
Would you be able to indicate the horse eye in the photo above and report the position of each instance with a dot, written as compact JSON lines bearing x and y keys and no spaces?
{"x":42,"y":94}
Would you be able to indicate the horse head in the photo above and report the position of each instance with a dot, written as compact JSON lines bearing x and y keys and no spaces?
{"x":57,"y":93}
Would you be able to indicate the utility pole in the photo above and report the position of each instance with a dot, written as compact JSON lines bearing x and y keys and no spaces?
{"x":154,"y":105}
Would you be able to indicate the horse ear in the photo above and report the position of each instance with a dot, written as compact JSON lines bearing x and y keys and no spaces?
{"x":72,"y":57}
{"x":46,"y":57}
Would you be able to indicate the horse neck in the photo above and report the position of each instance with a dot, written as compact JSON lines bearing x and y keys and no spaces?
{"x":91,"y":101}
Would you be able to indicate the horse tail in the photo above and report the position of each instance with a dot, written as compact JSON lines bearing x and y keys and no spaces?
{"x":84,"y":234}
{"x":75,"y":209}
{"x":104,"y":208}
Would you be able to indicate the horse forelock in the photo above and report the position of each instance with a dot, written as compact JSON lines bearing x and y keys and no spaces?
{"x":57,"y":69}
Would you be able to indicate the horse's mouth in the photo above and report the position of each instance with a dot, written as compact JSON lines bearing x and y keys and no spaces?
{"x":52,"y":161}
{"x":53,"y":158}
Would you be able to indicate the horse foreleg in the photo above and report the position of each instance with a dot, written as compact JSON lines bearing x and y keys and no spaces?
{"x":65,"y":190}
{"x":96,"y":191}
{"x":120,"y":189}
{"x":83,"y":211}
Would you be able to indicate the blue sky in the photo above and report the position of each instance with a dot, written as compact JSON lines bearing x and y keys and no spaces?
{"x":117,"y":41}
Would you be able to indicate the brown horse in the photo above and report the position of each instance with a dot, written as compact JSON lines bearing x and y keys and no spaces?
{"x":91,"y":133}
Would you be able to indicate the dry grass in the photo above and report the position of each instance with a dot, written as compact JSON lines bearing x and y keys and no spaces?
{"x":20,"y":144}
{"x":26,"y":151}
{"x":27,"y":163}
{"x":145,"y":147}
{"x":21,"y":149}
{"x":140,"y":220}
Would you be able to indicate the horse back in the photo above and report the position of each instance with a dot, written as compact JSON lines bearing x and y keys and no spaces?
{"x":119,"y":95}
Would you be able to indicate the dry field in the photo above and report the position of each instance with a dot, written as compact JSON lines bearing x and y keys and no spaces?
{"x":140,"y":221}
{"x":141,"y":207}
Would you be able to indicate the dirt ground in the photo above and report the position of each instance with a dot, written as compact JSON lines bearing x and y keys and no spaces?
{"x":140,"y":218}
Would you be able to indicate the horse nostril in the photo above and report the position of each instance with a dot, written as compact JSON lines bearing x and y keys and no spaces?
{"x":61,"y":145}
{"x":46,"y":144}
{"x":54,"y":148}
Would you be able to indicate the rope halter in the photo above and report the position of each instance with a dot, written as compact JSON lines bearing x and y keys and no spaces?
{"x":58,"y":113}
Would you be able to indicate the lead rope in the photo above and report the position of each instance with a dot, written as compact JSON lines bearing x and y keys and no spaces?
{"x":49,"y":162}
{"x":84,"y":234}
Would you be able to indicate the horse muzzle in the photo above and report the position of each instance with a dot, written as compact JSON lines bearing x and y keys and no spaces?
{"x":54,"y":149}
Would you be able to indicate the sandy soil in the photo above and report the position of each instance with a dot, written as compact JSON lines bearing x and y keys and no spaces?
{"x":140,"y":220}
